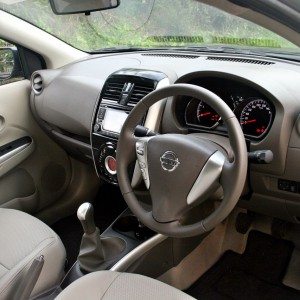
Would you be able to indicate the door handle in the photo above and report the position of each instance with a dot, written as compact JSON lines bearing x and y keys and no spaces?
{"x":9,"y":150}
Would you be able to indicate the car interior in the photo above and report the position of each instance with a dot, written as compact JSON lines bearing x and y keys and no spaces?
{"x":151,"y":166}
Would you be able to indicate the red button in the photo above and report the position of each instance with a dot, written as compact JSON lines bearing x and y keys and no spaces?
{"x":111,"y":164}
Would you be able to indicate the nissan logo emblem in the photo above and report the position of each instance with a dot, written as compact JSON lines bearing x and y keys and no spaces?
{"x":169,"y":161}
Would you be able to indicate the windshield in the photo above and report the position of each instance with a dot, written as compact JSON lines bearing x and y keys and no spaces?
{"x":149,"y":24}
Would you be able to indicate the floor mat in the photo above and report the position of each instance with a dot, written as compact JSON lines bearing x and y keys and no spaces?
{"x":255,"y":274}
{"x":108,"y":204}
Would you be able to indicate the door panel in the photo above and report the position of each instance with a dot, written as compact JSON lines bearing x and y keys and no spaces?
{"x":39,"y":172}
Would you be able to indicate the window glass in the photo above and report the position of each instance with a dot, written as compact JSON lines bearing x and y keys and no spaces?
{"x":149,"y":24}
{"x":9,"y":63}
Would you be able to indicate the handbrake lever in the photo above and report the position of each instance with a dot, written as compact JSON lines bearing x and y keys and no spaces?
{"x":30,"y":279}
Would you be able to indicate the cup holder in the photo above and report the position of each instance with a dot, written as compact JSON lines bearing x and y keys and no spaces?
{"x":130,"y":225}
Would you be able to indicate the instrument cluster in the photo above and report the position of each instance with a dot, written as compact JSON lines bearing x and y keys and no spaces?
{"x":254,"y":112}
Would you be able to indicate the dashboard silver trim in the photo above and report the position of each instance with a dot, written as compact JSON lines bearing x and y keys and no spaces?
{"x":13,"y":152}
{"x":123,"y":264}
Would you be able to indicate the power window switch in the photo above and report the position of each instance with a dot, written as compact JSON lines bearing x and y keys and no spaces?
{"x":284,"y":185}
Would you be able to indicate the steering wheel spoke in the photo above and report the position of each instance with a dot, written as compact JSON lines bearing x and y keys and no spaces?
{"x":141,"y":146}
{"x":208,"y":179}
{"x":227,"y":176}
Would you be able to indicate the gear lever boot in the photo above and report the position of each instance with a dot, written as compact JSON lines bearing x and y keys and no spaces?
{"x":91,"y":254}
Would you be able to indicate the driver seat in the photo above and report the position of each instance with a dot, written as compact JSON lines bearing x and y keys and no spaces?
{"x":108,"y":285}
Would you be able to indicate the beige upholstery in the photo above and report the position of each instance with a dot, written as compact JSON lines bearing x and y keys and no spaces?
{"x":108,"y":285}
{"x":22,"y":239}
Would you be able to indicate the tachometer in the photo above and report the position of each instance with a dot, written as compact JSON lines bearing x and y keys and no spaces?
{"x":256,"y":117}
{"x":206,"y":115}
{"x":198,"y":113}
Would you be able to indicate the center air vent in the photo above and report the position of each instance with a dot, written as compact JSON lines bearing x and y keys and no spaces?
{"x":240,"y":60}
{"x":126,"y":90}
{"x":140,"y":90}
{"x":37,"y":83}
{"x":113,"y":89}
{"x":126,"y":87}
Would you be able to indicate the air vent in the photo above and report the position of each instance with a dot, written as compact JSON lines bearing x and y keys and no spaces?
{"x":37,"y":83}
{"x":139,"y":91}
{"x":170,"y":55}
{"x":240,"y":60}
{"x":113,"y":90}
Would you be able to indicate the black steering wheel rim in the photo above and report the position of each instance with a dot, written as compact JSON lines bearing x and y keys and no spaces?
{"x":233,"y":173}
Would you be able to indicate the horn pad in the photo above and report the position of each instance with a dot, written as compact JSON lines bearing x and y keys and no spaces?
{"x":174,"y":163}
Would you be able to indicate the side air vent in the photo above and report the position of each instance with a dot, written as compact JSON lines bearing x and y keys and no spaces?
{"x":240,"y":60}
{"x":170,"y":55}
{"x":37,"y":83}
{"x":139,"y":92}
{"x":113,"y":90}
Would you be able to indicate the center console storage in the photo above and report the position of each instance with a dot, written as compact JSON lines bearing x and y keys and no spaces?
{"x":130,"y":226}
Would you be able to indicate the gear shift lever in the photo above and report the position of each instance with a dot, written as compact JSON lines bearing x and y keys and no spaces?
{"x":91,"y":254}
{"x":85,"y":214}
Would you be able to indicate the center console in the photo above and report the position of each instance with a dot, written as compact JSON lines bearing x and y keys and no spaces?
{"x":121,"y":92}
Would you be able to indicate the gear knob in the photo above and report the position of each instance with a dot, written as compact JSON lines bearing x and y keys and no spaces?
{"x":85,"y":214}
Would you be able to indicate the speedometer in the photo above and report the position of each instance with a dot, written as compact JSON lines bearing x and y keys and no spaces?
{"x":256,"y":118}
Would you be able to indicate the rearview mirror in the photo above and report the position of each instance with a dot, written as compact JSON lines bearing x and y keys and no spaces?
{"x":65,"y":7}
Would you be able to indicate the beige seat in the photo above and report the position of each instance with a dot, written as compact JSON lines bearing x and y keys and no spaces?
{"x":22,"y":239}
{"x":107,"y":285}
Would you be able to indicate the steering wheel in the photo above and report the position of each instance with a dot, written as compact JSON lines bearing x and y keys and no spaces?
{"x":181,"y":171}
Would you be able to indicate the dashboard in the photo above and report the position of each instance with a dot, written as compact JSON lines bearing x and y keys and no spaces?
{"x":254,"y":110}
{"x":84,"y":104}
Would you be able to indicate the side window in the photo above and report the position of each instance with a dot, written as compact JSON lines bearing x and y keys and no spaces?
{"x":10,"y":65}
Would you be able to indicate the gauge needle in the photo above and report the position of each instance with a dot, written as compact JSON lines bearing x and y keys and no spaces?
{"x":204,"y":114}
{"x":248,"y":122}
